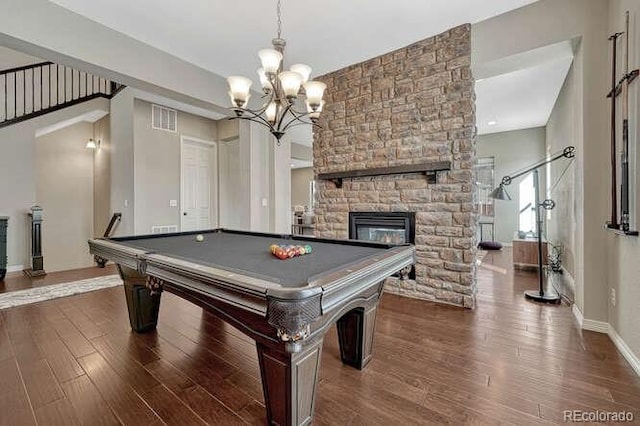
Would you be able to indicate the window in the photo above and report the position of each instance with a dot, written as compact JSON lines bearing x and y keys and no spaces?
{"x":526,"y":205}
{"x":163,"y":118}
{"x":484,"y":170}
{"x":312,"y":195}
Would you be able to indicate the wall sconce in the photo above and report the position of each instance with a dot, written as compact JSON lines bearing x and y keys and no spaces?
{"x":93,"y":144}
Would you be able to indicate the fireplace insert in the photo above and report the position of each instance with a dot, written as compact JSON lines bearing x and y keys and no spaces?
{"x":384,"y":227}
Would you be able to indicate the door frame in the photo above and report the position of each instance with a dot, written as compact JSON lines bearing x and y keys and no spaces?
{"x":214,"y":196}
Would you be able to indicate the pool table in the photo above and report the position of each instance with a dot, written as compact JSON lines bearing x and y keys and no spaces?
{"x":286,"y":306}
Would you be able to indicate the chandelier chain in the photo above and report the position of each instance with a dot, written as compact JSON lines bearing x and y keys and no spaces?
{"x":279,"y":12}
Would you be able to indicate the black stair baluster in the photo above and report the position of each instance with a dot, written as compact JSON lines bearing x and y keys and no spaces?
{"x":64,"y":96}
{"x":41,"y":89}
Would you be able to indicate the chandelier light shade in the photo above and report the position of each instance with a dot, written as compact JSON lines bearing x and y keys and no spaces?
{"x":239,"y":90}
{"x":271,"y":60}
{"x":303,"y":70}
{"x":315,"y":92}
{"x":290,"y":82}
{"x":289,"y":97}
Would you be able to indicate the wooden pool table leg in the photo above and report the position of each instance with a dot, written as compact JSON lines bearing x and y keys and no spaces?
{"x":143,"y":305}
{"x":289,"y":382}
{"x":355,"y":334}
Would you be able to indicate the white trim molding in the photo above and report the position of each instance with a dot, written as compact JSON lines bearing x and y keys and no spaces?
{"x":15,"y":268}
{"x":589,"y":324}
{"x":604,"y":327}
{"x":625,"y":350}
{"x":597,"y":326}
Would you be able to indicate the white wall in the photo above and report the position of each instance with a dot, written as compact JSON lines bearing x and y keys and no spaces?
{"x":145,"y":170}
{"x":300,"y":179}
{"x":157,"y":165}
{"x":301,"y":152}
{"x":11,"y":59}
{"x":18,"y":166}
{"x":64,"y":189}
{"x":102,"y":177}
{"x":624,"y":252}
{"x":229,"y":176}
{"x":280,"y":170}
{"x":122,"y":161}
{"x":561,"y":131}
{"x":512,"y":151}
{"x":259,"y":180}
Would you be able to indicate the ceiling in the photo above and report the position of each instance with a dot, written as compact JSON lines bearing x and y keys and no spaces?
{"x":519,"y":92}
{"x":224,"y":36}
{"x":296,"y":163}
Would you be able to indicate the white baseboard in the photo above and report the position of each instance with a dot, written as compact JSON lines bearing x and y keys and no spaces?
{"x":15,"y":268}
{"x":604,"y":327}
{"x":626,"y":352}
{"x":597,"y":326}
{"x":589,"y":324}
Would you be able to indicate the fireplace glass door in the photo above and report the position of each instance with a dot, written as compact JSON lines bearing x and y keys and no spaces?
{"x":383,"y":227}
{"x":381,"y":234}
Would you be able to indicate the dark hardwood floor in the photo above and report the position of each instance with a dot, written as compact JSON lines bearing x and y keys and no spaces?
{"x":75,"y":361}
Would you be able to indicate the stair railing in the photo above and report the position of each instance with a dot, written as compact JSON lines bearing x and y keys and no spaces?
{"x":116,"y":218}
{"x":33,"y":90}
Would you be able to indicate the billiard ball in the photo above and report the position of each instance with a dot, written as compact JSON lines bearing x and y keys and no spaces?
{"x":199,"y":238}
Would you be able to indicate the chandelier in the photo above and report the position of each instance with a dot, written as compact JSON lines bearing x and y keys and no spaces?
{"x":282,"y":91}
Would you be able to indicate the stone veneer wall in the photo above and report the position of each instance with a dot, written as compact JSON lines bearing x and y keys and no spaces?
{"x":413,"y":105}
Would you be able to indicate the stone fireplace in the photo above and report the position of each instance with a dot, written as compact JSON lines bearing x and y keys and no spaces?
{"x":385,"y":122}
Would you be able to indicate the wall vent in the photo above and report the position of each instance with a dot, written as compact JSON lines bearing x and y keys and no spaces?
{"x":164,"y":229}
{"x":163,"y":118}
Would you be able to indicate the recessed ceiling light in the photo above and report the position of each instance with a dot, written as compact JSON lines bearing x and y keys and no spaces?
{"x":293,"y":165}
{"x":492,"y":123}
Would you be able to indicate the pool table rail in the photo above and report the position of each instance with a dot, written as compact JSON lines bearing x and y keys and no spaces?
{"x":343,"y":284}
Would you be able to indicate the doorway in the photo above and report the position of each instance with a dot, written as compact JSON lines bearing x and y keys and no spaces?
{"x":198,"y":184}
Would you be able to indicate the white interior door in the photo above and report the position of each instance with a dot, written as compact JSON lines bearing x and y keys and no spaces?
{"x":199,"y":185}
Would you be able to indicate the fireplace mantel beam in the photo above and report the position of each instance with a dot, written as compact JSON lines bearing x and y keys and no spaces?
{"x":430,"y":170}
